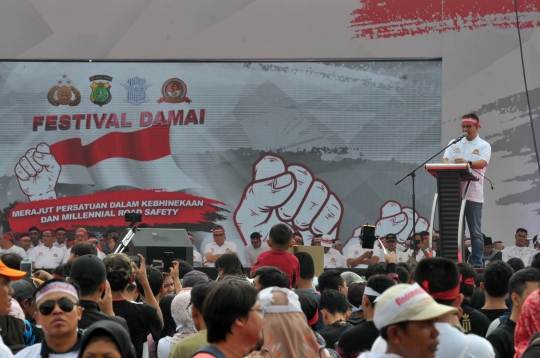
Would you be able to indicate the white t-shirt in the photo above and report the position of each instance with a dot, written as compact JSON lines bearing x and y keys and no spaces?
{"x":197,"y":257}
{"x":333,"y":259}
{"x":355,"y":251}
{"x":44,"y":257}
{"x":35,"y":352}
{"x":14,"y":249}
{"x":5,"y":352}
{"x":477,"y":149}
{"x":215,"y":249}
{"x":524,"y":253}
{"x":251,"y":253}
{"x":452,"y":343}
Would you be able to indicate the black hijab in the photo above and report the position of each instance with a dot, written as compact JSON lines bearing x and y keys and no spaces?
{"x":115,"y":331}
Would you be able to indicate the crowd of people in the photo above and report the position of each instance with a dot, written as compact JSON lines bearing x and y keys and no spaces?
{"x":84,"y":300}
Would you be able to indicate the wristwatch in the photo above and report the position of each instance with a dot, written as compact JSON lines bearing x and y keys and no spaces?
{"x":470,"y":163}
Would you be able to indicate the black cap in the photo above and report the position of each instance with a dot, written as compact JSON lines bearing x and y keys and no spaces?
{"x":199,"y":293}
{"x":488,"y":241}
{"x":22,"y":290}
{"x":88,"y":270}
{"x":391,"y":237}
{"x":255,"y":236}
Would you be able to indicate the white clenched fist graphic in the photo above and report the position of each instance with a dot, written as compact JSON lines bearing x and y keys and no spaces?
{"x":289,"y":194}
{"x":37,"y":172}
{"x":398,"y":220}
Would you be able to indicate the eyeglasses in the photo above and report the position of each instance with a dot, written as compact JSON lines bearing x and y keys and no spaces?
{"x":262,"y":311}
{"x":218,"y":235}
{"x":467,"y":126}
{"x":64,"y":303}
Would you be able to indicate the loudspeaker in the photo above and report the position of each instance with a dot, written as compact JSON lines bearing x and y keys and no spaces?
{"x":152,"y":243}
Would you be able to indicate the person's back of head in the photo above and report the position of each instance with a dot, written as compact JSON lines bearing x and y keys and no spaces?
{"x":155,"y":280}
{"x":307,"y":266}
{"x":378,"y":268}
{"x":516,"y":264}
{"x":439,"y":276}
{"x":169,"y":326}
{"x":520,"y":281}
{"x":83,"y":248}
{"x":331,"y":280}
{"x":184,"y":267}
{"x":280,"y":237}
{"x":12,"y":260}
{"x":536,"y":261}
{"x":403,"y":274}
{"x":377,"y":285}
{"x":88,"y":272}
{"x":230,"y":265}
{"x":224,"y":305}
{"x":496,"y":277}
{"x":333,"y":302}
{"x":119,"y":271}
{"x":269,"y":276}
{"x":468,"y":276}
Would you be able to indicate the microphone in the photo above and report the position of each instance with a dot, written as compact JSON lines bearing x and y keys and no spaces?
{"x":463,"y":135}
{"x":484,"y":177}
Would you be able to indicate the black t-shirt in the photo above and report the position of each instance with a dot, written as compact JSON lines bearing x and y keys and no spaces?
{"x":473,"y":321}
{"x":493,"y":314}
{"x":502,"y":339}
{"x":91,"y":313}
{"x":357,"y":339}
{"x":332,"y":332}
{"x":141,"y":319}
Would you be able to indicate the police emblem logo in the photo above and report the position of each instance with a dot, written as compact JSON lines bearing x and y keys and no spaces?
{"x":64,"y":95}
{"x":136,"y":90}
{"x":333,"y":259}
{"x":174,"y":90}
{"x":101,"y":93}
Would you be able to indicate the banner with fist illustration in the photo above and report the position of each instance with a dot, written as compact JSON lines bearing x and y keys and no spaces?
{"x":315,"y":145}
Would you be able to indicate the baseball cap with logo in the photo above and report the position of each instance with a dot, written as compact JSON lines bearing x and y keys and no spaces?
{"x":120,"y":263}
{"x":391,"y":237}
{"x":88,"y":270}
{"x":192,"y":277}
{"x":404,"y":302}
{"x":326,"y":241}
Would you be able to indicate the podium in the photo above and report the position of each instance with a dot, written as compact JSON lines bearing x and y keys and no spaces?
{"x":451,"y":199}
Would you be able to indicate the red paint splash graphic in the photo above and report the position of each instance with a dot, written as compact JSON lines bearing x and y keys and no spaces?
{"x":398,"y":18}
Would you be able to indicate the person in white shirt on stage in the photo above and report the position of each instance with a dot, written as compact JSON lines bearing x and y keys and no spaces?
{"x":520,"y":250}
{"x":476,"y":152}
{"x":33,"y":232}
{"x":60,"y":237}
{"x":80,"y":236}
{"x":46,"y":255}
{"x":359,"y":257}
{"x":251,"y":252}
{"x":391,"y":246}
{"x":25,"y":244}
{"x":214,"y":250}
{"x":197,"y":257}
{"x":332,"y":257}
{"x":420,"y":248}
{"x":7,"y":245}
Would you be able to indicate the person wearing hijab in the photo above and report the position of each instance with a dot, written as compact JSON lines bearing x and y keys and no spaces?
{"x":285,"y":329}
{"x":106,"y":338}
{"x":528,"y":323}
{"x":181,"y":313}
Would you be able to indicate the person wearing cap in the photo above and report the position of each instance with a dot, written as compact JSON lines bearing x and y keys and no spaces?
{"x":490,"y":253}
{"x":218,"y":247}
{"x":89,"y":273}
{"x":25,"y":244}
{"x":7,"y":245}
{"x":7,"y":275}
{"x":141,"y":318}
{"x":338,"y":246}
{"x":332,"y":257}
{"x":476,"y":152}
{"x":197,"y":257}
{"x":23,"y":291}
{"x":46,"y":255}
{"x":252,"y":251}
{"x":188,"y":346}
{"x":391,"y":246}
{"x":58,"y":313}
{"x":359,"y":257}
{"x":520,"y":250}
{"x":349,"y":345}
{"x":33,"y":232}
{"x":60,"y":237}
{"x":193,"y":277}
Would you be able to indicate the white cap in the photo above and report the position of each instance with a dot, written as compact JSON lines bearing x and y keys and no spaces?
{"x":326,"y":241}
{"x":266,"y":300}
{"x":404,"y":302}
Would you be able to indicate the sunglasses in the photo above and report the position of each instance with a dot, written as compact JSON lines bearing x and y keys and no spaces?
{"x":64,"y":303}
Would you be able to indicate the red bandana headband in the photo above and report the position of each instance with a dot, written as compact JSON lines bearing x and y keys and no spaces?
{"x":48,"y":231}
{"x":219,"y":231}
{"x":470,"y":120}
{"x":468,"y":281}
{"x":8,"y":236}
{"x":450,"y":294}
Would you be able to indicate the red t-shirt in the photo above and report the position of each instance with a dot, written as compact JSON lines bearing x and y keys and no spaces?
{"x":281,"y":259}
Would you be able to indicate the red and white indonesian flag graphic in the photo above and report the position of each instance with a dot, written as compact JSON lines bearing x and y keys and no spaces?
{"x":140,"y":159}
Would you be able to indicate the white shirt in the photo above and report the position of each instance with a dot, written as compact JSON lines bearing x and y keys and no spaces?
{"x":524,"y":253}
{"x":63,"y":246}
{"x":452,"y":343}
{"x":101,"y":254}
{"x":251,"y":253}
{"x":14,"y":249}
{"x":35,"y":352}
{"x":477,"y":149}
{"x":215,"y":249}
{"x":67,"y":253}
{"x":355,"y":251}
{"x":333,"y":259}
{"x":197,"y":257}
{"x":5,"y":352}
{"x":43,"y":257}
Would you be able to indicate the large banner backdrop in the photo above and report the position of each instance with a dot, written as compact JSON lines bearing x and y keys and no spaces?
{"x":318,"y":146}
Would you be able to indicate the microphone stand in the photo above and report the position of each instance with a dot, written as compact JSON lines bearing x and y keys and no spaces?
{"x":413,"y":175}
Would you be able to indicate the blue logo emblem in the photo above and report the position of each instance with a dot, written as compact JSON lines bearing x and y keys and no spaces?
{"x":136,"y":90}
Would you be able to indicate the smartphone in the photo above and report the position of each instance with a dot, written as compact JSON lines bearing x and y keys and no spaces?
{"x":168,"y":258}
{"x":26,"y":266}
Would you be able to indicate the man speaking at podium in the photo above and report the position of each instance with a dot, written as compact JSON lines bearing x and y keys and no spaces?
{"x":477,"y":153}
